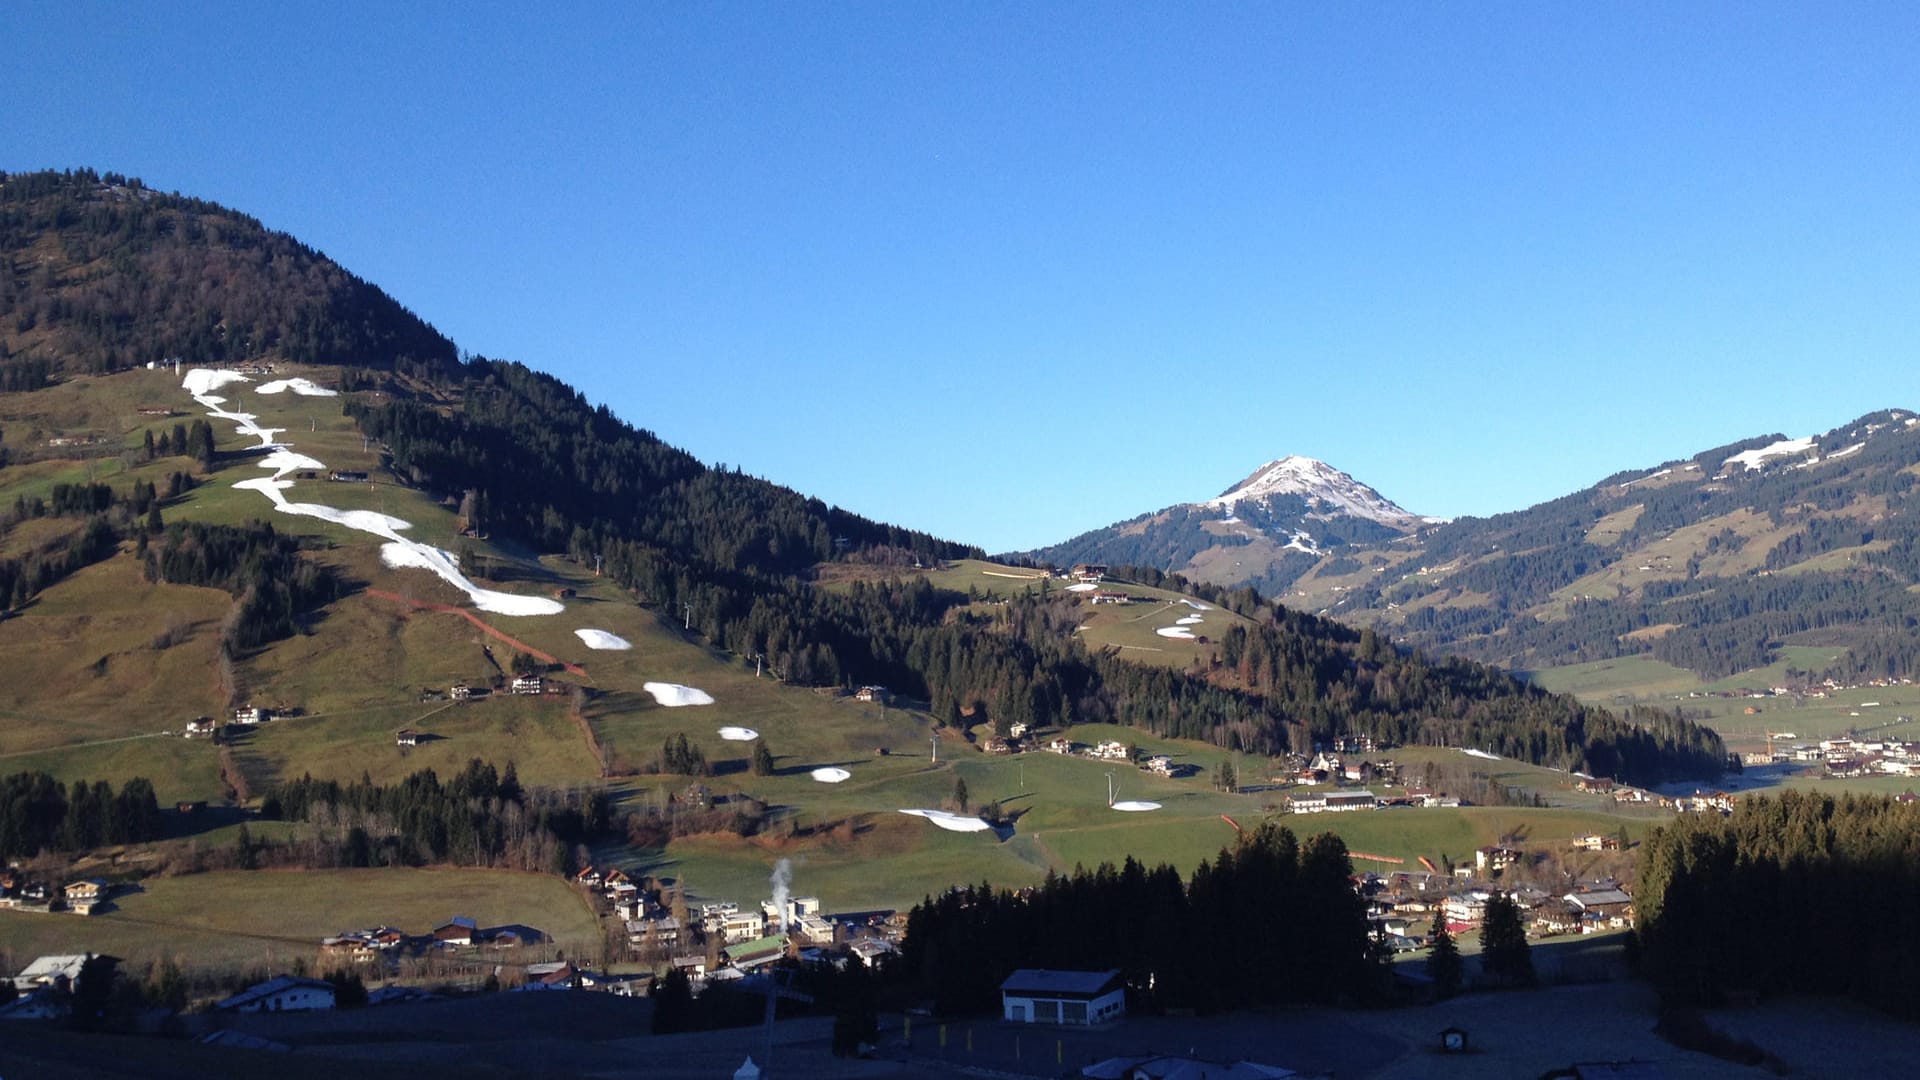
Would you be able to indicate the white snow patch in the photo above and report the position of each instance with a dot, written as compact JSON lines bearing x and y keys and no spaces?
{"x":298,"y":386}
{"x":951,"y":822}
{"x":206,"y":380}
{"x":830,"y":775}
{"x":1179,"y":632}
{"x":283,"y":461}
{"x":1084,"y":586}
{"x":673,"y":695}
{"x":1196,"y":605}
{"x":1481,"y":754}
{"x":1188,"y":620}
{"x":600,"y":639}
{"x":737,"y":734}
{"x":1752,"y":459}
{"x":1854,"y":449}
{"x":1135,"y":805}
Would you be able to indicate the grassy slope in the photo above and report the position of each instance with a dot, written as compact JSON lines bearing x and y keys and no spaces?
{"x":359,"y":670}
{"x":237,"y":918}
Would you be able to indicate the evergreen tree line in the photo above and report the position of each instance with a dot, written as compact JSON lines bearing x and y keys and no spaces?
{"x":478,"y":817}
{"x":1268,"y":921}
{"x":565,"y":476}
{"x":271,"y":584}
{"x":23,"y":577}
{"x":38,"y":814}
{"x":1795,"y":893}
{"x":189,"y":278}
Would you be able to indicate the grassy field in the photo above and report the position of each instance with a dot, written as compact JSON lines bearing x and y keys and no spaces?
{"x":1629,"y":680}
{"x":235,"y":919}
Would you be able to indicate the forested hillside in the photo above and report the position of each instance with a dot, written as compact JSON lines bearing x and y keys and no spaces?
{"x":109,"y":274}
{"x":104,"y":273}
{"x":1709,"y":564}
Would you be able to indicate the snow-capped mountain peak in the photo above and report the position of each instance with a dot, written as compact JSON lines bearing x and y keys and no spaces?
{"x":1326,"y":490}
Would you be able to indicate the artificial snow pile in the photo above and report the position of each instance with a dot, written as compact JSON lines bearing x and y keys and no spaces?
{"x":951,"y":822}
{"x":398,"y":551}
{"x":673,"y":695}
{"x":1134,"y":806}
{"x":298,"y":386}
{"x":600,"y":639}
{"x":827,"y":774}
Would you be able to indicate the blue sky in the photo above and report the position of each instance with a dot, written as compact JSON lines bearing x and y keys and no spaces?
{"x":1010,"y":272}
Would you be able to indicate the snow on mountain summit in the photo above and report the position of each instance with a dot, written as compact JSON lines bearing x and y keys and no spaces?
{"x":1326,"y":490}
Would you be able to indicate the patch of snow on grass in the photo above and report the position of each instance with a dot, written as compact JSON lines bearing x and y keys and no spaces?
{"x":202,"y":380}
{"x":951,"y":822}
{"x":298,"y":386}
{"x":600,"y":639}
{"x":283,"y":461}
{"x":830,"y":775}
{"x":1481,"y":754}
{"x":737,"y":734}
{"x":673,"y":695}
{"x":1854,"y":449}
{"x":1084,"y":586}
{"x":1752,"y":459}
{"x":1196,"y":605}
{"x":1179,"y":632}
{"x":1134,"y":806}
{"x":1188,"y":620}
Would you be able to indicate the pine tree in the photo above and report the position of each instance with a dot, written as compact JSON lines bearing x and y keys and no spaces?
{"x":960,"y":793}
{"x":1504,"y":951}
{"x":762,"y":758}
{"x":1444,"y":966}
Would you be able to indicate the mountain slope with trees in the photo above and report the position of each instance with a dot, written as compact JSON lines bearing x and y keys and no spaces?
{"x":1710,"y":563}
{"x":529,"y":461}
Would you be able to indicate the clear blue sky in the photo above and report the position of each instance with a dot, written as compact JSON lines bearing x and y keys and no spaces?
{"x":1012,"y":271}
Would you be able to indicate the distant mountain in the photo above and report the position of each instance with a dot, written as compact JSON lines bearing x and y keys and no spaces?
{"x":1711,"y":563}
{"x":1265,"y":531}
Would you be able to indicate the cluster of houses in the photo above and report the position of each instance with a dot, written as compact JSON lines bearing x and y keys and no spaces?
{"x":387,"y":945}
{"x":723,"y":941}
{"x":84,"y":897}
{"x":1403,"y":905}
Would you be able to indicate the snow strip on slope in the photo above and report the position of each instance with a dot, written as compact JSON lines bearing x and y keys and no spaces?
{"x":397,"y":552}
{"x":951,"y":822}
{"x":1083,"y":586}
{"x":1135,"y":805}
{"x":739,"y":734}
{"x":1481,"y":754}
{"x":830,"y":775}
{"x":1753,"y":458}
{"x":298,"y":386}
{"x":1179,"y":632}
{"x":600,"y":639}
